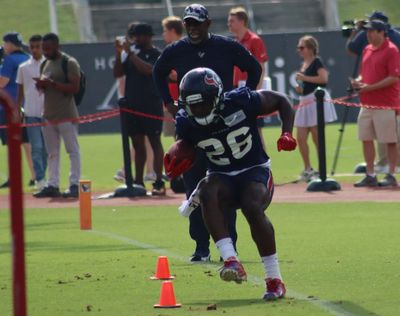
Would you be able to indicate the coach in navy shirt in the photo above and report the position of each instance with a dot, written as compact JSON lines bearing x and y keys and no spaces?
{"x":203,"y":49}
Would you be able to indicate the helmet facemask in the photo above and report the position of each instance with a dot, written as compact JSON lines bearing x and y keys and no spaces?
{"x":200,"y":94}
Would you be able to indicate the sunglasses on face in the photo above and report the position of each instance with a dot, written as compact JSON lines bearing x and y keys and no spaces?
{"x":300,"y":47}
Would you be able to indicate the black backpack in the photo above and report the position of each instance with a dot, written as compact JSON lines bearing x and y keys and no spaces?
{"x":82,"y":82}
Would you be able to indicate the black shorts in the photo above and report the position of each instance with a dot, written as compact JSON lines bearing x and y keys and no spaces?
{"x":138,"y":125}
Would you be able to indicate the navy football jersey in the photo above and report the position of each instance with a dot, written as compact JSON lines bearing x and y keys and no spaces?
{"x":232,"y":143}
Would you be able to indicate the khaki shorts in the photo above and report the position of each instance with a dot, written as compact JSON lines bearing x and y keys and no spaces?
{"x":168,"y":125}
{"x":377,"y":124}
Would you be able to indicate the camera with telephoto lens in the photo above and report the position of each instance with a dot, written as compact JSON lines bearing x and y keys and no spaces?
{"x":349,"y":25}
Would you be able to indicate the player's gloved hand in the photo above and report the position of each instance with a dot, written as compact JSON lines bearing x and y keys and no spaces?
{"x":286,"y":142}
{"x":174,"y":169}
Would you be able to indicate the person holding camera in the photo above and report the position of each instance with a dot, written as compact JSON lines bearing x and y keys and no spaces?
{"x":356,"y":43}
{"x":134,"y":59}
{"x":378,"y":85}
{"x":312,"y":74}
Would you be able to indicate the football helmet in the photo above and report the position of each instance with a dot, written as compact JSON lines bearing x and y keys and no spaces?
{"x":200,"y":93}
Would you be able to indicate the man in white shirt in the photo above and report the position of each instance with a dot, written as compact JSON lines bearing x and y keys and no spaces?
{"x":31,"y":100}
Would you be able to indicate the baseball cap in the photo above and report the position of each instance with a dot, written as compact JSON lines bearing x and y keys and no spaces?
{"x":14,"y":38}
{"x":376,"y":25}
{"x":197,"y":12}
{"x":142,"y":29}
{"x":378,"y":15}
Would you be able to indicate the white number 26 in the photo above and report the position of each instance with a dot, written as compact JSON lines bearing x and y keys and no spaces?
{"x":239,"y":149}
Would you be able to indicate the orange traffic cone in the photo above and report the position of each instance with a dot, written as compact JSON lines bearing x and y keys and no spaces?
{"x":162,"y":272}
{"x":167,"y":296}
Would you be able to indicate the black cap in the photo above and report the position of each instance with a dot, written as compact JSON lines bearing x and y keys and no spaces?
{"x":197,"y":12}
{"x":142,"y":29}
{"x":14,"y":38}
{"x":377,"y":25}
{"x":378,"y":15}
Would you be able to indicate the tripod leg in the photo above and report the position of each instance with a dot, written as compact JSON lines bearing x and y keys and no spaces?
{"x":344,"y":118}
{"x":339,"y":143}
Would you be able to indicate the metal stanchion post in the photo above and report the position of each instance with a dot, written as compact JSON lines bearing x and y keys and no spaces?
{"x":322,"y":184}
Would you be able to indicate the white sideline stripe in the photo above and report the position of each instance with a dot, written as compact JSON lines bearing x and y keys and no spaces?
{"x":327,"y":306}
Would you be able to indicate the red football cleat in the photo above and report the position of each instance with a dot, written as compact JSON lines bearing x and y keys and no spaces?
{"x":275,"y":289}
{"x":233,"y":271}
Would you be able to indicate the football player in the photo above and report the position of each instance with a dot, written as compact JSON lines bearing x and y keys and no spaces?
{"x":224,"y":126}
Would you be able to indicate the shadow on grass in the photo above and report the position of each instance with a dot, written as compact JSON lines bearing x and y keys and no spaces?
{"x":226,"y":303}
{"x":57,"y":247}
{"x":354,"y":308}
{"x":40,"y":225}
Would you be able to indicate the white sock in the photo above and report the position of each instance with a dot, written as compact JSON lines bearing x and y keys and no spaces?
{"x":225,"y":248}
{"x":271,"y":266}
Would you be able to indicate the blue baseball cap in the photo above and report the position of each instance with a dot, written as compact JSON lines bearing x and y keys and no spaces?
{"x":197,"y":12}
{"x":14,"y":38}
{"x":377,"y":25}
{"x":378,"y":15}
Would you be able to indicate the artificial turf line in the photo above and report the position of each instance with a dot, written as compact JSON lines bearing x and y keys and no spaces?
{"x":332,"y":308}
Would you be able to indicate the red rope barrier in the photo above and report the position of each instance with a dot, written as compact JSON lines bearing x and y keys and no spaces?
{"x":90,"y":118}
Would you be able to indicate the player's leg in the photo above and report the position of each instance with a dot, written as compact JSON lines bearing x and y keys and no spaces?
{"x":216,"y":197}
{"x":255,"y":197}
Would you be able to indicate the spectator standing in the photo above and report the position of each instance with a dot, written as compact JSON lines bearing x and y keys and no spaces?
{"x":378,"y":85}
{"x":135,"y":60}
{"x":355,"y":46}
{"x":32,"y":101}
{"x":14,"y":57}
{"x":172,"y":32}
{"x":200,"y":48}
{"x":312,"y":74}
{"x":120,"y":174}
{"x":238,"y":20}
{"x":61,"y":114}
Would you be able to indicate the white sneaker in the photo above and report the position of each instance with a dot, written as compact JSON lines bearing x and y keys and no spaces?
{"x":120,"y":176}
{"x":39,"y":185}
{"x":308,"y":175}
{"x":150,"y":177}
{"x":381,"y":169}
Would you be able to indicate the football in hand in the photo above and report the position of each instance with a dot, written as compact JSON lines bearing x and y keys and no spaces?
{"x":182,"y":150}
{"x":179,"y":158}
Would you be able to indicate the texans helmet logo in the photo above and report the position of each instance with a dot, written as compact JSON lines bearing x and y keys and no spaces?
{"x":211,"y":81}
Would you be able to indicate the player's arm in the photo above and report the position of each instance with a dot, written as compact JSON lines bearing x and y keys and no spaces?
{"x":161,"y":72}
{"x":246,"y":62}
{"x":271,"y":102}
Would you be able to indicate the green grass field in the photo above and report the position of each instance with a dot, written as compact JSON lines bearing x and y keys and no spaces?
{"x":339,"y":259}
{"x":336,"y":258}
{"x":32,"y":17}
{"x":356,"y":9}
{"x":102,"y":156}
